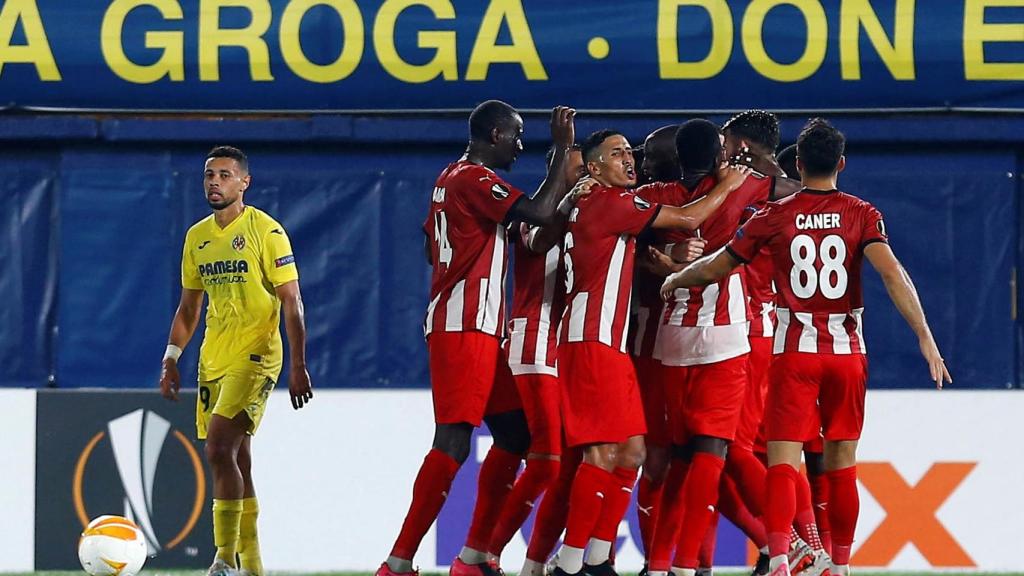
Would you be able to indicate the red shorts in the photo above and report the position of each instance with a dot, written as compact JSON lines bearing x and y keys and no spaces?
{"x":652,"y":394}
{"x":758,"y":367}
{"x":467,"y":377}
{"x":706,"y":400}
{"x":541,"y":400}
{"x":804,"y":385}
{"x":505,"y":395}
{"x":600,"y":396}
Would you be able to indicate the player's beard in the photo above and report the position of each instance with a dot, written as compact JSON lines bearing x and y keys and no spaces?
{"x":222,"y":204}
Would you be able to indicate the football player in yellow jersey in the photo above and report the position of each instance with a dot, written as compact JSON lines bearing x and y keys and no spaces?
{"x":242,"y":259}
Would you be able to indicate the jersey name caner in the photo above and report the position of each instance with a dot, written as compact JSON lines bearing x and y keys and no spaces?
{"x":537,"y":303}
{"x":469,"y":252}
{"x":817,"y":241}
{"x":599,"y":251}
{"x":239,"y":267}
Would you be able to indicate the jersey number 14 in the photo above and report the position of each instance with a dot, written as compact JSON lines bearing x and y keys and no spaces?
{"x":444,"y":248}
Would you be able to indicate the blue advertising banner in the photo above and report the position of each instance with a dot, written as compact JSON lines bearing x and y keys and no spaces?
{"x":393,"y":55}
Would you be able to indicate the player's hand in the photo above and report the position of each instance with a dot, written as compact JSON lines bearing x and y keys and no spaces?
{"x":658,"y":262}
{"x":170,"y":380}
{"x":690,"y":250}
{"x":733,"y":175}
{"x":936,"y":365}
{"x":668,"y":288}
{"x":581,"y":189}
{"x":299,"y":387}
{"x":563,"y":131}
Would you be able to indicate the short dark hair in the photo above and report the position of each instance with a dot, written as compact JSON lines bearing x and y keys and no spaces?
{"x":488,"y":116}
{"x":230,"y":152}
{"x":698,"y":145}
{"x":594,"y":141}
{"x":758,"y":126}
{"x":551,"y":154}
{"x":819,"y":147}
{"x":787,"y":161}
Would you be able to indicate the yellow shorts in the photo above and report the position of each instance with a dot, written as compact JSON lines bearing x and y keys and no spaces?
{"x":230,"y":395}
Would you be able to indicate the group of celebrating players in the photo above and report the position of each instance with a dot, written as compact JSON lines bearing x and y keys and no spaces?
{"x":744,"y":349}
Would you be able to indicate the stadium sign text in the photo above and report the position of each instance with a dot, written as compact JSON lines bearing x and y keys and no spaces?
{"x":415,"y":54}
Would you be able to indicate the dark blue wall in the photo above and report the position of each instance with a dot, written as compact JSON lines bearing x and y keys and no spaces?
{"x":93,"y":211}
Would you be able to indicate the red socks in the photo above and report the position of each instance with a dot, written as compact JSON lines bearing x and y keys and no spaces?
{"x":616,"y":501}
{"x":670,"y":518}
{"x":734,"y":509}
{"x":539,"y":473}
{"x":747,"y":471}
{"x":803,"y":521}
{"x":586,"y":501}
{"x":844,"y":507}
{"x":554,"y":510}
{"x":706,"y":556}
{"x":781,"y":497}
{"x":648,"y":504}
{"x":819,"y":496}
{"x":700,"y":494}
{"x":429,"y":492}
{"x":497,"y":475}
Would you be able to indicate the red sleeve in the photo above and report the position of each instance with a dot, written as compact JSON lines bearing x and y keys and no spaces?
{"x":627,"y":213}
{"x":487,"y":195}
{"x":873,"y":229}
{"x":752,"y":236}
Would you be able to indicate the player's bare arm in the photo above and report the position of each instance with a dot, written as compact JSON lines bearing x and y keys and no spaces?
{"x":904,"y":295}
{"x":542,"y":208}
{"x":676,"y":259}
{"x":299,"y":386}
{"x":544,"y":238}
{"x":186,"y":318}
{"x":691,"y":216}
{"x":707,"y":270}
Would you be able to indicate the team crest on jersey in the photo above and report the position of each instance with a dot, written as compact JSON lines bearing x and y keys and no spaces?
{"x":499,"y":192}
{"x":881,"y":228}
{"x":238,"y":243}
{"x":640,"y":203}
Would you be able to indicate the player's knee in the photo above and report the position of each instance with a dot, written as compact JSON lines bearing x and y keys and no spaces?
{"x":633,"y":453}
{"x":510,"y":431}
{"x":815,"y":463}
{"x":656,"y":463}
{"x":682,"y":452}
{"x":710,"y":445}
{"x":220,"y":453}
{"x":453,"y":440}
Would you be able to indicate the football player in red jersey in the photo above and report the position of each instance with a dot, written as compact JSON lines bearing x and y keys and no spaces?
{"x":602,"y":410}
{"x":537,"y":304}
{"x":818,"y":239}
{"x":470,"y":209}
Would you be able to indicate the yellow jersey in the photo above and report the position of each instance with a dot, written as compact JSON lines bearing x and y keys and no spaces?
{"x":239,"y":267}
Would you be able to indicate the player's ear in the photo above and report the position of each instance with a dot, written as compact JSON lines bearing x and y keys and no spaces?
{"x":247,"y":180}
{"x":799,"y":168}
{"x":495,"y":135}
{"x":842,"y":164}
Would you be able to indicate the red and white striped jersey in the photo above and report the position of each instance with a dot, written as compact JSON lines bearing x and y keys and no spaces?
{"x":537,"y":303}
{"x":723,"y":303}
{"x":466,"y":229}
{"x":761,"y":294}
{"x":599,"y":252}
{"x":647,"y":286}
{"x":817,"y":241}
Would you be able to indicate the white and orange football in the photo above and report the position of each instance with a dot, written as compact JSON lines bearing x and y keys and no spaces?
{"x":112,"y":545}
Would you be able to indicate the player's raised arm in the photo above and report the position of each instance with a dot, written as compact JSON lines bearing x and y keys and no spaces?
{"x":540,"y":239}
{"x":186,"y":318}
{"x":299,"y":386}
{"x":904,"y":295}
{"x":691,"y":216}
{"x":542,"y":208}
